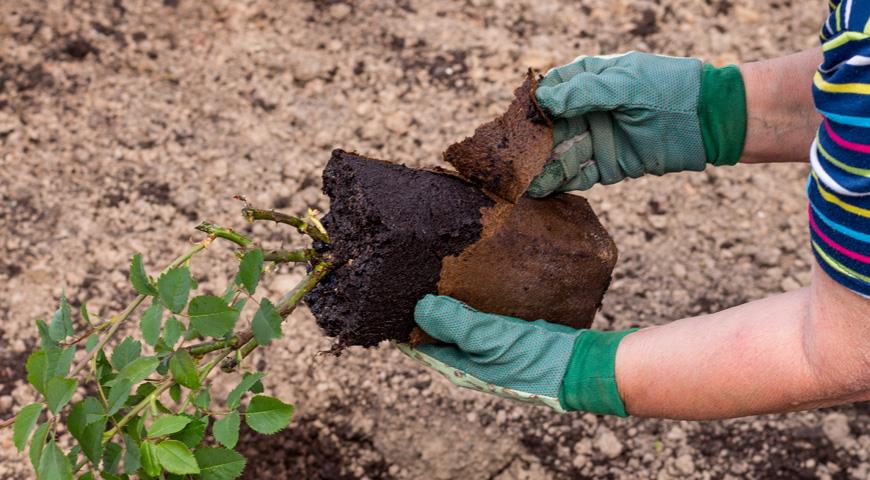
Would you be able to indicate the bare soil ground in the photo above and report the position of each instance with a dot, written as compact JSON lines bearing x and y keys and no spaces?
{"x":123,"y":123}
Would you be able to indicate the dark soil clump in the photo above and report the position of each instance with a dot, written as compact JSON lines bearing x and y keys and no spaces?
{"x":390,"y":226}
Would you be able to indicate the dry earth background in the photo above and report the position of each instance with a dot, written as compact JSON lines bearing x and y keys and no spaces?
{"x":123,"y":123}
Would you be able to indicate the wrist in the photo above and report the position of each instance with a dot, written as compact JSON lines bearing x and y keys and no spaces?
{"x":722,"y":114}
{"x":589,"y":383}
{"x":781,"y":116}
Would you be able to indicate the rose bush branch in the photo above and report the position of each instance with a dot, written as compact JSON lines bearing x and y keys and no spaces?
{"x":285,"y":307}
{"x":309,"y":226}
{"x":152,"y":401}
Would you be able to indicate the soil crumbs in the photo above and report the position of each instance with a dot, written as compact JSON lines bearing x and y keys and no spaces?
{"x":124,"y":123}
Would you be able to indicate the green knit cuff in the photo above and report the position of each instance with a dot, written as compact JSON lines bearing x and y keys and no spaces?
{"x":589,"y":384}
{"x":722,"y":112}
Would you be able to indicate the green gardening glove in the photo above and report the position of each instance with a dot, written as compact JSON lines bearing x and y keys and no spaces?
{"x":628,"y":115}
{"x":536,"y":362}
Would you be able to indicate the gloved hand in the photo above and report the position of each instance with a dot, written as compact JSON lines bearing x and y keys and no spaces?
{"x":628,"y":115}
{"x":535,"y":362}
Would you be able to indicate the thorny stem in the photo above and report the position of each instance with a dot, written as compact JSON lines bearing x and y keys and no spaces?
{"x":286,"y":256}
{"x":208,"y":347}
{"x":285,"y":307}
{"x":304,"y":227}
{"x":134,"y":412}
{"x":225,"y":233}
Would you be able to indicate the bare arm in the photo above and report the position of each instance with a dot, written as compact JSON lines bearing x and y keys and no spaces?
{"x":782,"y":120}
{"x":802,"y":349}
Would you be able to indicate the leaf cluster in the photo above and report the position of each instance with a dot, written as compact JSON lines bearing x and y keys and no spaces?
{"x":151,"y":408}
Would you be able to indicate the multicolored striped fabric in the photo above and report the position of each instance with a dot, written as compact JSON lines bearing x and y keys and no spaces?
{"x":839,"y":185}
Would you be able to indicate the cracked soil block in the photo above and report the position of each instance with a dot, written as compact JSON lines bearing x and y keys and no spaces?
{"x":399,"y":233}
{"x":504,"y":155}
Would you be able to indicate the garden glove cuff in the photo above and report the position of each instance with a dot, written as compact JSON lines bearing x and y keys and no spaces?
{"x":536,"y":362}
{"x":628,"y":115}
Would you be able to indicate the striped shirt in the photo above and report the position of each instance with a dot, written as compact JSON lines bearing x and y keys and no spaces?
{"x":839,"y":184}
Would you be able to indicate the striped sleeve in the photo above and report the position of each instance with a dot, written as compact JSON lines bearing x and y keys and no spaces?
{"x":839,"y":184}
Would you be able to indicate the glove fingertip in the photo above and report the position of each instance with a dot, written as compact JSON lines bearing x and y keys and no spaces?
{"x":536,"y":191}
{"x":437,"y":314}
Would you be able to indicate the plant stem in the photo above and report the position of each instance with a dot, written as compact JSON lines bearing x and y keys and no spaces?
{"x":225,"y":233}
{"x":304,"y":227}
{"x":236,"y":340}
{"x":285,"y":307}
{"x":162,"y":387}
{"x":286,"y":256}
{"x":134,"y":412}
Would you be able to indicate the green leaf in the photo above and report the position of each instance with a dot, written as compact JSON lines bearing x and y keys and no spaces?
{"x":257,"y":387}
{"x":230,"y":291}
{"x":132,"y":456}
{"x":142,"y":391}
{"x":139,"y":278}
{"x":83,"y":311}
{"x":172,"y":331}
{"x":250,"y":269}
{"x":37,"y":370}
{"x":240,"y":304}
{"x":163,"y":366}
{"x":126,"y":351}
{"x":59,"y":360}
{"x":45,"y":340}
{"x":24,"y":423}
{"x":219,"y":463}
{"x":150,"y":323}
{"x":104,"y":368}
{"x":118,"y":395}
{"x":211,"y":316}
{"x":136,"y":428}
{"x":137,"y":370}
{"x":248,"y":381}
{"x":183,"y":369}
{"x":167,"y":425}
{"x":37,"y":443}
{"x":73,"y":454}
{"x":268,"y":415}
{"x":226,"y":430}
{"x":92,"y":342}
{"x":148,"y":455}
{"x":58,"y":393}
{"x":43,"y":365}
{"x":266,"y":323}
{"x":175,"y":457}
{"x":174,"y":287}
{"x":111,"y":458}
{"x":61,"y":324}
{"x":86,"y":423}
{"x":192,"y":434}
{"x":53,"y":464}
{"x":202,"y":400}
{"x":175,"y":392}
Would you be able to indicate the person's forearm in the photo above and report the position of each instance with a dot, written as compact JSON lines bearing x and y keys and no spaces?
{"x":803,"y":349}
{"x":781,"y":118}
